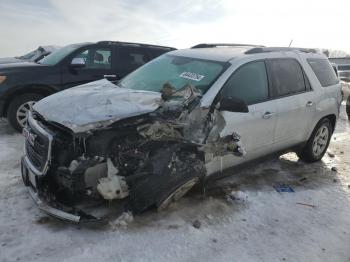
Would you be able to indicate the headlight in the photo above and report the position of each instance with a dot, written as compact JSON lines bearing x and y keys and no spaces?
{"x":2,"y":79}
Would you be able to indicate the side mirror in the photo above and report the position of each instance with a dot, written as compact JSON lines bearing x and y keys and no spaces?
{"x":233,"y":104}
{"x":78,"y":62}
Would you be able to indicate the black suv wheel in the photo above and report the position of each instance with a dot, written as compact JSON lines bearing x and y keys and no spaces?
{"x":19,"y":107}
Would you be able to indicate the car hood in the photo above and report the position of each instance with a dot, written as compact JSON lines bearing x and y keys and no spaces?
{"x":20,"y":64}
{"x":96,"y":105}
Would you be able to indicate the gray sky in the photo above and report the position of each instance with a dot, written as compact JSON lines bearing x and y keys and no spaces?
{"x":24,"y":25}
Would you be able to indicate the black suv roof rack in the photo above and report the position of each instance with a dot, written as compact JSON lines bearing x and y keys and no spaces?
{"x":203,"y":45}
{"x":257,"y":50}
{"x":135,"y":44}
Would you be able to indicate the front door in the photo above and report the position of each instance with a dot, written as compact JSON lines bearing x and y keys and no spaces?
{"x":257,"y":127}
{"x":98,"y":65}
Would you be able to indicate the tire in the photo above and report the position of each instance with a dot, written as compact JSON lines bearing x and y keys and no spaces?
{"x":178,"y":193}
{"x":18,"y":108}
{"x":318,"y":142}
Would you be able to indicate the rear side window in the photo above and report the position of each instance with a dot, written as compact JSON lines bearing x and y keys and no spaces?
{"x":248,"y":83}
{"x":287,"y":77}
{"x":132,"y":57}
{"x":155,"y":52}
{"x":323,"y":71}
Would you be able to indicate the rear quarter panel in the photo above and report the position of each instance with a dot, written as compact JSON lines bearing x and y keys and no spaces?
{"x":327,"y":99}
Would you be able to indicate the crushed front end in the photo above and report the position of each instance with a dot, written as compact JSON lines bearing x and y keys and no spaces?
{"x":136,"y":161}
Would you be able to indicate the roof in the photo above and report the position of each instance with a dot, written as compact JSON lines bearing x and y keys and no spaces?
{"x":225,"y":53}
{"x":222,"y":54}
{"x":135,"y":44}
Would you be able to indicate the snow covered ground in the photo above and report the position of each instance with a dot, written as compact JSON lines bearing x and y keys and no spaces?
{"x":311,"y":224}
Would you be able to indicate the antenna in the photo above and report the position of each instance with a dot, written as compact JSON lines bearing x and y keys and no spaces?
{"x":290,"y":43}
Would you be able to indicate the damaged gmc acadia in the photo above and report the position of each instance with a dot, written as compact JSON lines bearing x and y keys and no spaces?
{"x":148,"y":139}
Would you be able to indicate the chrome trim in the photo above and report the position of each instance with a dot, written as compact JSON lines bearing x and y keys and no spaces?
{"x":52,"y":211}
{"x":49,"y":136}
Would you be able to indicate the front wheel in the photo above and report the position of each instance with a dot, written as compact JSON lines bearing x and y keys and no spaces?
{"x":177,"y":193}
{"x":19,"y":107}
{"x":318,"y":142}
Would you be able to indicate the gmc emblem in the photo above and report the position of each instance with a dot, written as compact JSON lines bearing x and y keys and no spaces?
{"x":30,"y":137}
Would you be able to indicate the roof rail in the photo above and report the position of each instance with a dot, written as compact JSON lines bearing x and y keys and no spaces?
{"x":342,"y":57}
{"x":135,"y":44}
{"x":257,"y":50}
{"x":203,"y":45}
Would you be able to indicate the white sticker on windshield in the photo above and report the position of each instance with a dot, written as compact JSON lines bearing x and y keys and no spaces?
{"x":192,"y":76}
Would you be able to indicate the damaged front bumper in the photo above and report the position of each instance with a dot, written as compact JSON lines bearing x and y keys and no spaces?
{"x":57,"y":213}
{"x":30,"y":179}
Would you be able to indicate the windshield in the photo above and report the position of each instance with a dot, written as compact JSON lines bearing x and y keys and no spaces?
{"x":57,"y":56}
{"x":175,"y":71}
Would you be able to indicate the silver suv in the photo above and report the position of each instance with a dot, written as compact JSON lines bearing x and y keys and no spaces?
{"x":173,"y":122}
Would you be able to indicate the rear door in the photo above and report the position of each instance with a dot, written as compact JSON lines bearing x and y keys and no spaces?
{"x":130,"y":58}
{"x":256,"y":128}
{"x":294,"y":99}
{"x":99,"y":63}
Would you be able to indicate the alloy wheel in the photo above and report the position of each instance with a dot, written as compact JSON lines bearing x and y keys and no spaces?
{"x":22,"y":112}
{"x":320,"y":140}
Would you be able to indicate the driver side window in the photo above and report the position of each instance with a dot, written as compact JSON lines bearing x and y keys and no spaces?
{"x":248,"y":83}
{"x":96,"y":58}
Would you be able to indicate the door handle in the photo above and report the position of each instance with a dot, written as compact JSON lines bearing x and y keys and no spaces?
{"x":268,"y":115}
{"x":309,"y":103}
{"x":106,"y":76}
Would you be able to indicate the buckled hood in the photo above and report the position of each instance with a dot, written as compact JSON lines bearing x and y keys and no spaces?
{"x":95,"y":105}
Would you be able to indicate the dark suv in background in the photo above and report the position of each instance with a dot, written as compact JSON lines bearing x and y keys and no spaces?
{"x":22,"y":84}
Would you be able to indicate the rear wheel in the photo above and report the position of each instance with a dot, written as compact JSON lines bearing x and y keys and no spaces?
{"x":19,"y":107}
{"x":318,"y":142}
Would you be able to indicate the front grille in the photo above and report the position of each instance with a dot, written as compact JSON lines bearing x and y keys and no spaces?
{"x":38,"y":151}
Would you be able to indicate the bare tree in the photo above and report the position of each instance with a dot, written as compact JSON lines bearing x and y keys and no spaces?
{"x":336,"y":53}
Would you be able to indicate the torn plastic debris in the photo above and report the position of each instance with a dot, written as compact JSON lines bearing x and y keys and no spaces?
{"x":230,"y":144}
{"x":112,"y":186}
{"x":237,"y":197}
{"x":122,"y":221}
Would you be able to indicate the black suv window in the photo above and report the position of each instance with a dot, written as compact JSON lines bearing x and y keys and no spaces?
{"x":155,"y":52}
{"x":287,"y":77}
{"x":249,"y":83}
{"x":131,"y":58}
{"x":96,"y":58}
{"x":324,"y":71}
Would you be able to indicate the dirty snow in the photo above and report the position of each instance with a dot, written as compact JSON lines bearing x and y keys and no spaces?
{"x":311,"y":224}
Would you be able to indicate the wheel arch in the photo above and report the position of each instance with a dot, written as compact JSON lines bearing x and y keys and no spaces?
{"x":36,"y":89}
{"x":331,"y":118}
